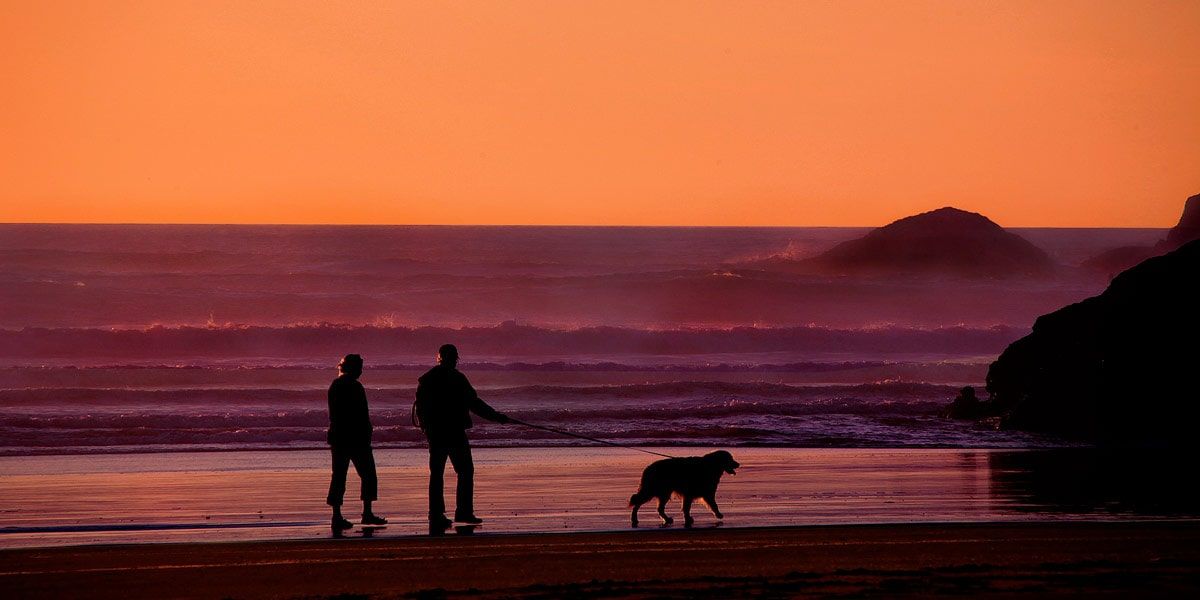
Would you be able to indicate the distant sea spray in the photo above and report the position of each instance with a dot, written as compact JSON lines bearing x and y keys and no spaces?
{"x":138,"y":338}
{"x":135,"y":276}
{"x":261,"y":345}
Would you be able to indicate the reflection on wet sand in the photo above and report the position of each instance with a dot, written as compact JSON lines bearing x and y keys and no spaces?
{"x":1093,"y":482}
{"x":225,"y":496}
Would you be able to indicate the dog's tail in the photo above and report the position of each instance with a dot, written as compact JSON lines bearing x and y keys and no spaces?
{"x":639,"y":499}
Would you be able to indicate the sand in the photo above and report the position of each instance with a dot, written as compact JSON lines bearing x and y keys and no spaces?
{"x":799,"y":522}
{"x":246,"y":496}
{"x":975,"y":560}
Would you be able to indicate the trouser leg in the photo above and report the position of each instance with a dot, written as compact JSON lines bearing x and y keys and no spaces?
{"x":364,"y":465}
{"x":437,"y":471}
{"x":337,"y":481}
{"x":464,"y":467}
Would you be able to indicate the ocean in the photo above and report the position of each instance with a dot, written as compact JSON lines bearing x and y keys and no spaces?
{"x":172,"y":338}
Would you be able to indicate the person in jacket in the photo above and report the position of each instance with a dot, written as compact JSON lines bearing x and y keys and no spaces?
{"x":349,"y":439}
{"x":445,"y":401}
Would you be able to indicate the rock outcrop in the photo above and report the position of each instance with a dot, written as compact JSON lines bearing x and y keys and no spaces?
{"x":1187,"y":229}
{"x":1111,"y":262}
{"x":1115,"y":368}
{"x":968,"y":407}
{"x":946,"y":241}
{"x":1116,"y":260}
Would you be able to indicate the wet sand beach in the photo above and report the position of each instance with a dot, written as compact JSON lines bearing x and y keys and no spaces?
{"x":231,"y":496}
{"x":799,"y":523}
{"x":204,"y":497}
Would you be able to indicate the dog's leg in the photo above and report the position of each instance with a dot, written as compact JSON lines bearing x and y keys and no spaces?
{"x":687,"y":511}
{"x":635,"y":502}
{"x":662,"y":511}
{"x":711,"y":501}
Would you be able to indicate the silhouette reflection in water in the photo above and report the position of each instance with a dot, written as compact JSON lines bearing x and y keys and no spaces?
{"x":1088,"y":481}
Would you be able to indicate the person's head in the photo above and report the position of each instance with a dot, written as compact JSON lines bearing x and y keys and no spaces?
{"x":448,"y":355}
{"x":351,"y":365}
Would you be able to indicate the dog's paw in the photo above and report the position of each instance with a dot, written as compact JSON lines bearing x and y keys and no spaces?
{"x":688,"y":522}
{"x":720,"y":517}
{"x":668,"y":520}
{"x":633,"y":523}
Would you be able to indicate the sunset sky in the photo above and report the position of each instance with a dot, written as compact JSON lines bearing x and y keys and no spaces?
{"x":1042,"y":113}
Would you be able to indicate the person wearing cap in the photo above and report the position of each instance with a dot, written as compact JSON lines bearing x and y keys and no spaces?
{"x":349,"y":439}
{"x":445,"y":401}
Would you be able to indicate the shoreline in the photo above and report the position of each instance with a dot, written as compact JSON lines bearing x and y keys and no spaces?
{"x":483,"y":445}
{"x":1153,"y":559}
{"x":650,"y":526}
{"x":75,"y":500}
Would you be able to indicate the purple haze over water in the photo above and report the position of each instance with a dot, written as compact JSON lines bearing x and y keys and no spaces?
{"x":131,"y":338}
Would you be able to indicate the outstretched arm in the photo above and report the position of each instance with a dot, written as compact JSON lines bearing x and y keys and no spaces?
{"x":481,"y":408}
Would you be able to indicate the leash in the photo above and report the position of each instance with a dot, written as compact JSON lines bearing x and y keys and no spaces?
{"x":590,"y":439}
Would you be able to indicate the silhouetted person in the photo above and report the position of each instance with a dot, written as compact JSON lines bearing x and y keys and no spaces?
{"x":445,"y":400}
{"x":350,"y":442}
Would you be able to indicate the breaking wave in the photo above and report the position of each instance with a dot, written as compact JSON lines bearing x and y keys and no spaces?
{"x":901,"y":414}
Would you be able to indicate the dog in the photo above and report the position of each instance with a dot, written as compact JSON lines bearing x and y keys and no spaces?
{"x":691,"y":478}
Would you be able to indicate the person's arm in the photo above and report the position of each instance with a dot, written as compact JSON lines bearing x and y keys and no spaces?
{"x":364,"y":416}
{"x":481,"y":408}
{"x":421,"y":406}
{"x":337,"y":407}
{"x":335,"y":415}
{"x":329,"y":397}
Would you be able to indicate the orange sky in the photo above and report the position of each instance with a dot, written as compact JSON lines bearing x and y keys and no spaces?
{"x":1049,"y":113}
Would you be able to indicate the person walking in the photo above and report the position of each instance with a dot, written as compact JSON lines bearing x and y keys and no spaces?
{"x":349,"y":439}
{"x":445,"y":401}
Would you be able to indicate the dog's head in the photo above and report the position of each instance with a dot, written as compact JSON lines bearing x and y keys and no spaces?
{"x":723,"y":460}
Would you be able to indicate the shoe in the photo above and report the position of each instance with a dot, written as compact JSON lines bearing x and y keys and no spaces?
{"x":440,"y":522}
{"x":468,"y":519}
{"x":340,"y":524}
{"x":373,"y":520}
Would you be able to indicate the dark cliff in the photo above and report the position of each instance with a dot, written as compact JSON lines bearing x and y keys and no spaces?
{"x":1115,"y":368}
{"x":1188,"y":227}
{"x":1118,"y":259}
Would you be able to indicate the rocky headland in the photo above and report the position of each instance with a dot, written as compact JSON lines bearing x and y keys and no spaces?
{"x":1111,"y":262}
{"x":1115,"y":368}
{"x":946,"y":241}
